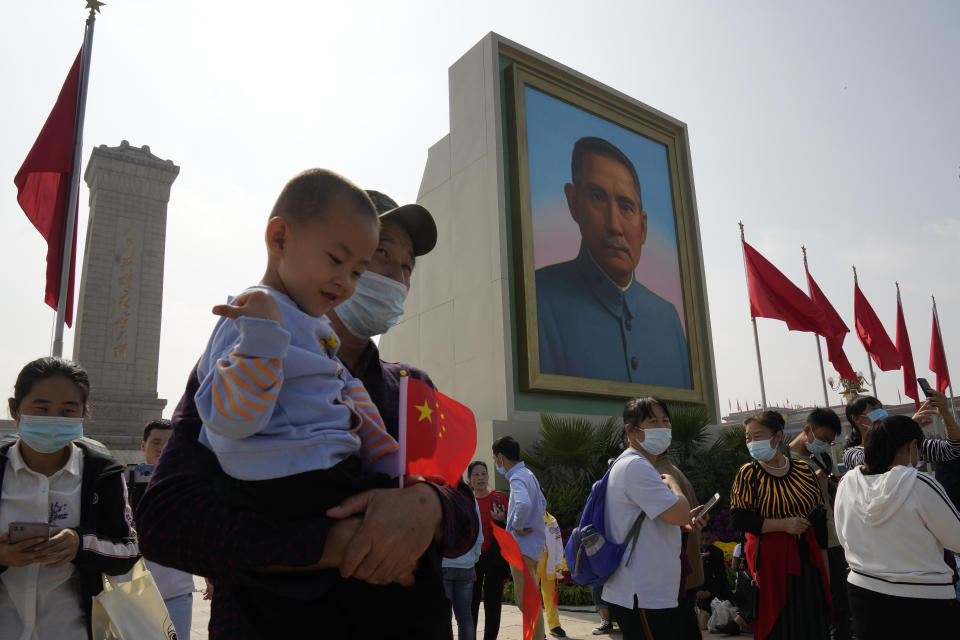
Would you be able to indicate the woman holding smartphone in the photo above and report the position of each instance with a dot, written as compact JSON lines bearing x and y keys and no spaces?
{"x":69,"y":491}
{"x":775,"y":500}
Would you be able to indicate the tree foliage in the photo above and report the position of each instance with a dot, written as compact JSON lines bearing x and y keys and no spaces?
{"x":571,"y":454}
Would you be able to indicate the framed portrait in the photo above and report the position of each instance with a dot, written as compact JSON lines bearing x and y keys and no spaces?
{"x":610,"y":294}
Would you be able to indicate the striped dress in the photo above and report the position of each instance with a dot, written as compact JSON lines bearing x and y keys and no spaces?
{"x":795,"y":608}
{"x":793,"y":495}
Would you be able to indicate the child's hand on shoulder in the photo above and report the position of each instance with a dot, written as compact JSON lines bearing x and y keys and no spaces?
{"x":254,"y":304}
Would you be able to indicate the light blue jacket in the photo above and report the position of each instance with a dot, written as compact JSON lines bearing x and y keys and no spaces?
{"x":307,"y":426}
{"x":525,"y":511}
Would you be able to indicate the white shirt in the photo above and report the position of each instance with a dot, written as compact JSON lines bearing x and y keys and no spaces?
{"x":37,"y":603}
{"x":654,"y":571}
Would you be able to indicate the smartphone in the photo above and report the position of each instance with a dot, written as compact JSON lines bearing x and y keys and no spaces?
{"x":712,"y":501}
{"x":20,"y":531}
{"x":927,"y":389}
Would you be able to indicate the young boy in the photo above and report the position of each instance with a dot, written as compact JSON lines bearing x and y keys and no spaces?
{"x":288,"y":423}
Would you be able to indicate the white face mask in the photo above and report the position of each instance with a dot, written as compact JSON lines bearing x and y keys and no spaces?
{"x":656,"y":441}
{"x":374,"y":307}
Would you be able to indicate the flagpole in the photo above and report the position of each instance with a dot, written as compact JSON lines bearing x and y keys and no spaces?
{"x":816,"y":337}
{"x":756,"y":336}
{"x":72,"y":204}
{"x":873,"y":376}
{"x":936,"y":318}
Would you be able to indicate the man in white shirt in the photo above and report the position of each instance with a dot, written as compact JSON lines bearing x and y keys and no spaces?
{"x":524,"y":514}
{"x":175,"y":586}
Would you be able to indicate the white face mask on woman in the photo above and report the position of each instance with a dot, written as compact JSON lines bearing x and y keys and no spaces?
{"x":656,"y":441}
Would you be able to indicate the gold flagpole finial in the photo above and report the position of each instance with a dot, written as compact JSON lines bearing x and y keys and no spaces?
{"x":804,"y":249}
{"x":741,"y":229}
{"x":854,"y":273}
{"x":94,"y":7}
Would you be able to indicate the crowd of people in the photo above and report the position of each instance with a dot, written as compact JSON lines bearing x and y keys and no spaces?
{"x":276,"y":482}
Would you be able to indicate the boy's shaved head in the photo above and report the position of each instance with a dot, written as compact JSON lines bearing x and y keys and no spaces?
{"x":309,"y":194}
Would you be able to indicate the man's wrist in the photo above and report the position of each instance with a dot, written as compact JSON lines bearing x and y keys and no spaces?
{"x":430,"y":497}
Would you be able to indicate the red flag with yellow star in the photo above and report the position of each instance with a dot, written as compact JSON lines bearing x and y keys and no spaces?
{"x":438,"y":435}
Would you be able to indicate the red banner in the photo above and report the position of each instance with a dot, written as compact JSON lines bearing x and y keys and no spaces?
{"x":906,"y":356}
{"x":938,"y":359}
{"x":43,"y":186}
{"x":836,"y":327}
{"x":872,"y":334}
{"x":772,"y":295}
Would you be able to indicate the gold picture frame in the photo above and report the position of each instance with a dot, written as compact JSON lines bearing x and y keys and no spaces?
{"x":523,"y":71}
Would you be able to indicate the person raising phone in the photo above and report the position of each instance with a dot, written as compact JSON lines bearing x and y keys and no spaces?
{"x":49,"y":475}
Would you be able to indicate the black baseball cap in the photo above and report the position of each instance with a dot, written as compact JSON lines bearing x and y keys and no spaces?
{"x":414,"y":219}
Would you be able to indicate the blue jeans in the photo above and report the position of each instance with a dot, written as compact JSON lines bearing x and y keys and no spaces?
{"x":180,"y":609}
{"x":458,"y":585}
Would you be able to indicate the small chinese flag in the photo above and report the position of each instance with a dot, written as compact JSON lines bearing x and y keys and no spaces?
{"x":438,"y":435}
{"x":531,"y":594}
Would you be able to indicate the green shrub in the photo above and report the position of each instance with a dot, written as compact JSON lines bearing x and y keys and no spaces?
{"x":571,"y":595}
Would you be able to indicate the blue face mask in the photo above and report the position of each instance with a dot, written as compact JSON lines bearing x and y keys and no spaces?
{"x":761,"y":450}
{"x":877,"y":414}
{"x":374,"y":307}
{"x":500,"y":470}
{"x":817,"y":446}
{"x":47,"y":434}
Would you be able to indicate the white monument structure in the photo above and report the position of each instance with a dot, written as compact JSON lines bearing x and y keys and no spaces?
{"x":117,"y":337}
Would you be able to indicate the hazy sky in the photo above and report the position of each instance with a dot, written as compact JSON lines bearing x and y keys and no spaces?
{"x":833,"y":125}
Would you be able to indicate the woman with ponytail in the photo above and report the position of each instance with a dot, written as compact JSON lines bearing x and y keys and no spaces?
{"x":894,"y":523}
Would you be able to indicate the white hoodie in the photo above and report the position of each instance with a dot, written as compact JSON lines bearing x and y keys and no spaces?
{"x":894,"y":527}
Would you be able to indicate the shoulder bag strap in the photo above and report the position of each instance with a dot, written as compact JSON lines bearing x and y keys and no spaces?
{"x":634,"y":534}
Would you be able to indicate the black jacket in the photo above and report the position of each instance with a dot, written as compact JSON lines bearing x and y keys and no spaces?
{"x":108,"y":540}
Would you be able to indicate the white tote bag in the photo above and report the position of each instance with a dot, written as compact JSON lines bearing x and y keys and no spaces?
{"x":131,"y":610}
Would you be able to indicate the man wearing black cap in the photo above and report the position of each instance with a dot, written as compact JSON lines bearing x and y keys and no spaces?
{"x":395,"y":525}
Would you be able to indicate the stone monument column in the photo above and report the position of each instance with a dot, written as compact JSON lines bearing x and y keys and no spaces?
{"x":117,"y":335}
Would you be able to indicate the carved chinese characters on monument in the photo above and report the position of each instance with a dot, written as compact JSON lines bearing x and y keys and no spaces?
{"x":124,"y":296}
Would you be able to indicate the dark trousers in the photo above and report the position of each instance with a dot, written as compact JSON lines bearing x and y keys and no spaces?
{"x":838,"y":593}
{"x":878,"y":616}
{"x":686,"y":624}
{"x":662,"y":622}
{"x":491,"y":570}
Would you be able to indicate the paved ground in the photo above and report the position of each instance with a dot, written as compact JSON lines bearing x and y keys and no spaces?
{"x":578,"y":622}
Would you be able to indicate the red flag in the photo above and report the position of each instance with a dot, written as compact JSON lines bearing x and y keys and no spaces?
{"x":906,"y":355}
{"x":438,"y":434}
{"x":738,"y":407}
{"x":43,"y":185}
{"x":872,"y":334}
{"x":531,"y":594}
{"x":938,"y":359}
{"x":772,"y":295}
{"x":835,"y":327}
